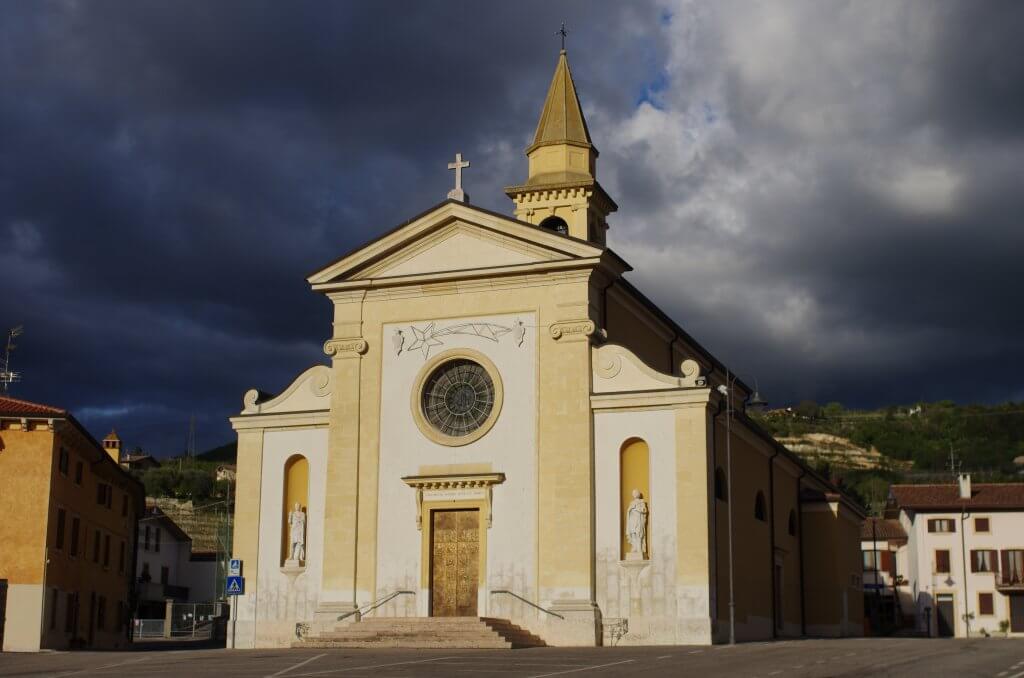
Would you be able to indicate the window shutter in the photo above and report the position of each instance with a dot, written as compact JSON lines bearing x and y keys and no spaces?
{"x":974,"y":560}
{"x":942,"y":561}
{"x":1004,"y":561}
{"x":886,"y":561}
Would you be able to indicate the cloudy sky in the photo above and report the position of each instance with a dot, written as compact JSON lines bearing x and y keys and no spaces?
{"x":827,"y":194}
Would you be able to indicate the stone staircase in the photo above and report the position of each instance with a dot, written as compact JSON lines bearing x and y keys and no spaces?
{"x":423,"y":632}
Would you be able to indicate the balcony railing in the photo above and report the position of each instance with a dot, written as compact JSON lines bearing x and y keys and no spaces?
{"x":1013,"y":579}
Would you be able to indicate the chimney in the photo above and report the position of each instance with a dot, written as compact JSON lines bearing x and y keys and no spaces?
{"x":965,"y":485}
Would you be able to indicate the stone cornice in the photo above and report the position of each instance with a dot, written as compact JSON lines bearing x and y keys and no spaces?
{"x":459,"y":275}
{"x":651,"y":400}
{"x":452,"y":482}
{"x":290,"y":420}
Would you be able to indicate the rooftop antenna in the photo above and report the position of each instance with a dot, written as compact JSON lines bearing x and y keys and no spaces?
{"x":8,"y":377}
{"x":954,"y":464}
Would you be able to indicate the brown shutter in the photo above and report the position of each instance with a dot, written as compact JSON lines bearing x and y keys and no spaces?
{"x":942,"y":561}
{"x":974,"y":560}
{"x":1004,"y":561}
{"x":931,"y":525}
{"x":985,"y":605}
{"x":886,"y":561}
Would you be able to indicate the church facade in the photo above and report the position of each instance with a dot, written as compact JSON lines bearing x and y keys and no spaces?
{"x":508,"y":428}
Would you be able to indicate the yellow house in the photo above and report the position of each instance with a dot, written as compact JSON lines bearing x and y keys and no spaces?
{"x":508,"y":428}
{"x":67,"y":526}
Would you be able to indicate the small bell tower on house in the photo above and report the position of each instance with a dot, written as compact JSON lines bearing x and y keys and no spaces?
{"x":561,"y":192}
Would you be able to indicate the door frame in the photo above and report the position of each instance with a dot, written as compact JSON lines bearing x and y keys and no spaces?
{"x":426,"y":551}
{"x":951,"y":594}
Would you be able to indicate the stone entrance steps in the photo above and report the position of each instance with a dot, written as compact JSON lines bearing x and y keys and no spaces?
{"x":424,"y":632}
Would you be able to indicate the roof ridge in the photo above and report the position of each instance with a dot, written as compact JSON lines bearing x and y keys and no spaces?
{"x":32,"y":403}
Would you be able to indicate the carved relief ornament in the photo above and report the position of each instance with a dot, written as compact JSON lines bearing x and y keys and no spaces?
{"x":351,"y":347}
{"x":573,"y":330}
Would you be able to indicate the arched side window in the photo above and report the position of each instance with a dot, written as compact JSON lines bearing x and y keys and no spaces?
{"x":556,"y":224}
{"x":792,"y":523}
{"x":295,"y":491}
{"x":759,"y":508}
{"x":634,"y":474}
{"x":721,"y":485}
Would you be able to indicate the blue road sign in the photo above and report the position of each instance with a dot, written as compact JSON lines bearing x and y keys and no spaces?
{"x":235,"y":586}
{"x":235,"y":567}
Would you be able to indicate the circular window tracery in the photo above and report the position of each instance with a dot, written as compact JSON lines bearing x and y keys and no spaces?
{"x":458,"y":397}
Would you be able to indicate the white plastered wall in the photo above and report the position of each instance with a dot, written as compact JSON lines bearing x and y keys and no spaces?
{"x":283,"y":599}
{"x":510,"y":447}
{"x":24,"y":618}
{"x":645,"y":596}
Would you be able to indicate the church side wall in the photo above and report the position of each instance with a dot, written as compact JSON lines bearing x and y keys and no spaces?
{"x":751,"y":542}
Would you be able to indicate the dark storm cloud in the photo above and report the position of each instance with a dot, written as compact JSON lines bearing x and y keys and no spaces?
{"x":836,"y":186}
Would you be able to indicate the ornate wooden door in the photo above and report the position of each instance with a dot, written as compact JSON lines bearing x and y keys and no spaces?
{"x":454,"y":563}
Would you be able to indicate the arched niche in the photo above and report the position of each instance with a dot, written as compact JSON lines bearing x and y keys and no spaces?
{"x":634,"y":474}
{"x":296,"y":491}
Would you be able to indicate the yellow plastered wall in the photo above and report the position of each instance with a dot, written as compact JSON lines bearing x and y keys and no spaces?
{"x":634,"y":474}
{"x":626,"y":329}
{"x":752,"y":554}
{"x":787,"y":546}
{"x":296,"y":491}
{"x":27,"y":459}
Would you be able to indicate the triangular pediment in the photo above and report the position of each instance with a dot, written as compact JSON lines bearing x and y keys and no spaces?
{"x":453,"y":238}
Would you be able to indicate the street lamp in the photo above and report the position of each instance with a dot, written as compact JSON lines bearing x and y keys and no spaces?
{"x":726,"y":390}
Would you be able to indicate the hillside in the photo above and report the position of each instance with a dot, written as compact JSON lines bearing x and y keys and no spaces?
{"x":866,"y":450}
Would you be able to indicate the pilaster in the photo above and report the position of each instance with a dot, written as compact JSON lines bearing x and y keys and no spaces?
{"x":694,"y":554}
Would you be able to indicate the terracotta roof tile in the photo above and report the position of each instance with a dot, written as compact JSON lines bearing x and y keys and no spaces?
{"x":883,"y":529}
{"x":18,"y":407}
{"x":947,"y":497}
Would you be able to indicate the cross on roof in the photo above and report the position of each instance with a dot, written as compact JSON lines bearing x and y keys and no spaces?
{"x":457,"y":193}
{"x":562,"y":32}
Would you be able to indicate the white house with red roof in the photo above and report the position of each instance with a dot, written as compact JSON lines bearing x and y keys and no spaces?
{"x":963,"y":558}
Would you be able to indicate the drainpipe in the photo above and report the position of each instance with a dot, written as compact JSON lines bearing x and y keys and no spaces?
{"x":800,"y":546}
{"x":963,"y":561}
{"x":771,"y":529}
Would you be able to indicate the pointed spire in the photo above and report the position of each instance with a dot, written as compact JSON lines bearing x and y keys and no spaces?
{"x":561,"y":121}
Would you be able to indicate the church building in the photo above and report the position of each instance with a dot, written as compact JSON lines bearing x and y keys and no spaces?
{"x":506,"y":428}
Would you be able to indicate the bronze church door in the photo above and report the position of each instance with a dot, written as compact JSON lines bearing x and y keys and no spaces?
{"x":454,"y":562}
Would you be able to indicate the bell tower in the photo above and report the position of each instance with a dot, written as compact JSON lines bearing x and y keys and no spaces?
{"x":561,"y":190}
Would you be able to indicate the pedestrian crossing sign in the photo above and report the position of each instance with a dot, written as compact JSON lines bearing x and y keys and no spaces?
{"x":235,"y":586}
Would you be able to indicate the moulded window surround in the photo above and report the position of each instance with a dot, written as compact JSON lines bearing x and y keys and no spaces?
{"x":428,"y":430}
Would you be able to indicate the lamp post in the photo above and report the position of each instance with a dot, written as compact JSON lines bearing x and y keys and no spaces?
{"x":726,"y":390}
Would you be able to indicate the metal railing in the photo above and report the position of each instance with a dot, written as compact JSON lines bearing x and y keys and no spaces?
{"x":528,"y":602}
{"x":370,"y":607}
{"x":145,"y":629}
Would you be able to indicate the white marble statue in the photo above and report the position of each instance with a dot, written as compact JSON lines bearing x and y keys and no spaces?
{"x":636,"y":527}
{"x":297,"y":535}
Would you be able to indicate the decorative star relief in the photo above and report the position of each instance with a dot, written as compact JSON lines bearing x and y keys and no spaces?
{"x":430,"y":336}
{"x":424,"y":339}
